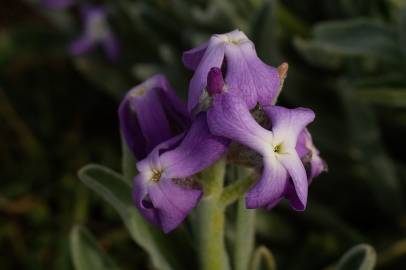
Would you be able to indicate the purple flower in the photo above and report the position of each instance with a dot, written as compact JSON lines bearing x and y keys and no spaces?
{"x":57,"y":4}
{"x":283,"y":172}
{"x":313,"y":164}
{"x":96,"y":32}
{"x":151,"y":113}
{"x":244,"y":72}
{"x":165,"y":190}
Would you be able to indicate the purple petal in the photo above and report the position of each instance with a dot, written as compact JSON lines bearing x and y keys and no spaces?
{"x":213,"y":57}
{"x":150,"y":114}
{"x":164,"y":203}
{"x":198,"y":150}
{"x":81,"y":45}
{"x":270,"y":188}
{"x":318,"y":165}
{"x":151,"y":118}
{"x":288,"y":123}
{"x":296,"y":171}
{"x":255,"y":81}
{"x":301,"y":145}
{"x":192,"y":58}
{"x":172,"y":203}
{"x":111,"y":47}
{"x":293,"y":198}
{"x":229,"y":117}
{"x":142,"y":201}
{"x":131,"y":130}
{"x":310,"y":155}
{"x":153,"y":160}
{"x":174,"y":106}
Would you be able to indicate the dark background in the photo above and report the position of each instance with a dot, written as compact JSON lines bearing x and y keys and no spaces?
{"x":59,"y":112}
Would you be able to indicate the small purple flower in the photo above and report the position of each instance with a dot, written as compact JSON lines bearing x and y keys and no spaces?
{"x":165,"y":190}
{"x":244,"y":72}
{"x":151,"y":113}
{"x":96,"y":32}
{"x":57,"y":4}
{"x":283,"y":171}
{"x":313,"y":164}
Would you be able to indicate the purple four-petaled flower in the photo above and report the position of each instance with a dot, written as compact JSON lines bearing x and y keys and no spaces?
{"x":230,"y":117}
{"x":243,"y":71}
{"x":96,"y":32}
{"x":165,"y":190}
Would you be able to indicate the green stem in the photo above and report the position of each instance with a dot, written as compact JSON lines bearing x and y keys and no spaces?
{"x":211,"y":221}
{"x":245,"y":236}
{"x":236,"y":190}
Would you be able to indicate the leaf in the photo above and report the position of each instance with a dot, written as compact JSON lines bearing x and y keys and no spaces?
{"x":402,"y":28}
{"x":263,"y":259}
{"x":318,"y":53}
{"x":360,"y":257}
{"x":346,"y":39}
{"x":86,"y":254}
{"x":264,"y":30}
{"x":359,"y":37}
{"x":371,"y":161}
{"x":386,"y":97}
{"x":116,"y":191}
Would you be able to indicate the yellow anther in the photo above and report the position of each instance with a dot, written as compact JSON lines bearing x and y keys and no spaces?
{"x":156,"y":175}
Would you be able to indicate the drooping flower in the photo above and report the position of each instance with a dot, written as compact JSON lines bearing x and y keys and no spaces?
{"x":243,"y":71}
{"x":230,"y":117}
{"x":151,"y":113}
{"x":96,"y":32}
{"x":164,"y":190}
{"x":57,"y":4}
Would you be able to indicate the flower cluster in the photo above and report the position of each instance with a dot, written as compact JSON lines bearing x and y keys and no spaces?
{"x":174,"y":141}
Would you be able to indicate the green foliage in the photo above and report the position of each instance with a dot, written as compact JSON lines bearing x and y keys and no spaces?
{"x":59,"y":112}
{"x":111,"y":187}
{"x":361,"y":257}
{"x":263,"y":259}
{"x":86,"y":254}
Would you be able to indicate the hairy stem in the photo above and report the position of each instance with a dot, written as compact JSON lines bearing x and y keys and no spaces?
{"x":211,"y":221}
{"x":236,"y":190}
{"x":245,"y":236}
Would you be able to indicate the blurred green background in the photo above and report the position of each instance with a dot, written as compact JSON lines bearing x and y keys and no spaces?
{"x":347,"y":61}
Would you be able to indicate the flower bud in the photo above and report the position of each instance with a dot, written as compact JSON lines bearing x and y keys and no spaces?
{"x":215,"y":81}
{"x":151,"y":113}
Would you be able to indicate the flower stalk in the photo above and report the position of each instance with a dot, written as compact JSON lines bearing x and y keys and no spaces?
{"x":211,"y":220}
{"x":245,"y":236}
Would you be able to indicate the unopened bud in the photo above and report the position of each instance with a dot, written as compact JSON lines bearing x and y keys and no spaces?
{"x":215,"y":81}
